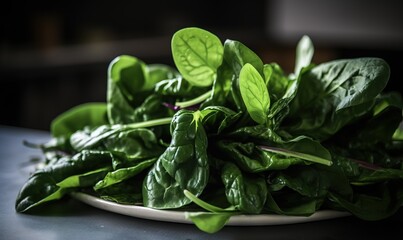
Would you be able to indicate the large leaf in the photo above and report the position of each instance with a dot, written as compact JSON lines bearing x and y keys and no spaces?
{"x":183,"y":165}
{"x":54,"y":181}
{"x":336,"y":93}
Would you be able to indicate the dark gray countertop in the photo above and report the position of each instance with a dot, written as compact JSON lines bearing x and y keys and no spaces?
{"x":71,"y":219}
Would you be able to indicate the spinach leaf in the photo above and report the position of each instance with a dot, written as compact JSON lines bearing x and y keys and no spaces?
{"x":377,"y":175}
{"x":183,"y":165}
{"x":211,"y":221}
{"x":302,"y":190}
{"x":130,"y":81}
{"x":276,"y":80}
{"x":125,"y":192}
{"x":248,"y":194}
{"x":152,"y":108}
{"x":78,"y":117}
{"x":158,"y":72}
{"x":334,"y":94}
{"x":258,"y":133}
{"x":259,"y":149}
{"x":221,"y":88}
{"x":133,"y":146}
{"x":217,"y":118}
{"x":254,"y":93}
{"x":380,"y":202}
{"x":197,"y":54}
{"x":236,"y":55}
{"x":372,"y":132}
{"x":398,"y":134}
{"x":282,"y":90}
{"x":303,"y":54}
{"x":122,"y":174}
{"x":291,"y":203}
{"x":52,"y":182}
{"x":126,"y":81}
{"x":178,"y":87}
{"x":92,"y":138}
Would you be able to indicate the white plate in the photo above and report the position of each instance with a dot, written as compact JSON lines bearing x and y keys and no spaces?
{"x":179,"y":216}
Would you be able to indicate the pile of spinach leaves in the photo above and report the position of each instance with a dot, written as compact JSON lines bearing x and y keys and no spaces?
{"x":224,"y":134}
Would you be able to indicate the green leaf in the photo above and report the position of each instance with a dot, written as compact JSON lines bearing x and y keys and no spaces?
{"x":398,"y":134}
{"x":122,"y":174}
{"x":294,"y":205}
{"x":334,"y":94}
{"x":179,"y":88}
{"x":304,"y":54}
{"x":207,"y":221}
{"x":125,"y":192}
{"x":157,"y":73}
{"x":248,"y":194}
{"x":236,"y":55}
{"x":277,"y":82}
{"x":254,"y":93}
{"x":303,"y":189}
{"x":130,"y":84}
{"x":183,"y":165}
{"x":382,"y":202}
{"x":78,"y":117}
{"x":151,"y":109}
{"x":377,"y":130}
{"x":127,"y":78}
{"x":133,"y":146}
{"x":54,"y":181}
{"x":221,"y":87}
{"x":197,"y":54}
{"x":92,"y":138}
{"x":218,"y":118}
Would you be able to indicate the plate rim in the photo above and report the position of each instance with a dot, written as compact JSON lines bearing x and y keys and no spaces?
{"x":180,"y":216}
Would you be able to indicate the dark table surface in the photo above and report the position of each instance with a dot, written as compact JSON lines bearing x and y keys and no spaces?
{"x":72,"y":219}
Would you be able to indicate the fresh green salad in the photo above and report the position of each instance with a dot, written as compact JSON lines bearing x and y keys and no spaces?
{"x":223,"y":133}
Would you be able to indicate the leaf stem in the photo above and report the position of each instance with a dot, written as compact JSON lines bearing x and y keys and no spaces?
{"x":206,"y":205}
{"x":304,"y":156}
{"x":150,"y":123}
{"x":194,"y":101}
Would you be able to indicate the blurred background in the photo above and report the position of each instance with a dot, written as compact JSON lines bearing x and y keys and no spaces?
{"x":54,"y":54}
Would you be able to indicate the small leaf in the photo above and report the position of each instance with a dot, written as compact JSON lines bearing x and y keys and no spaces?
{"x":197,"y":54}
{"x":209,"y":222}
{"x":91,"y":114}
{"x":127,"y":77}
{"x":254,"y":93}
{"x":304,"y":54}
